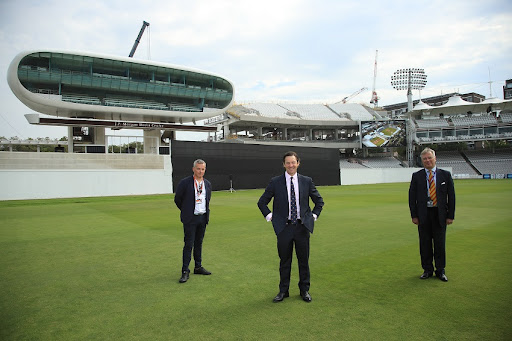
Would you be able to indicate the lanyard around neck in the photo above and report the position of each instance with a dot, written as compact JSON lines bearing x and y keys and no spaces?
{"x":198,"y":186}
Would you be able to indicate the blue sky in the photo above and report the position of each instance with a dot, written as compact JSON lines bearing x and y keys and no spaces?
{"x":299,"y":51}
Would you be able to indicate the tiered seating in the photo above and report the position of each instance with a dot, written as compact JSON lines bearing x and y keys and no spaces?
{"x":381,"y":162}
{"x":473,"y":121}
{"x":487,"y":162}
{"x":80,"y":98}
{"x":350,"y":165}
{"x":506,"y":118}
{"x":312,"y":111}
{"x":269,"y":110}
{"x":456,"y":161}
{"x":355,"y":112}
{"x":183,"y":107}
{"x":130,"y":102}
{"x":435,"y":123}
{"x":487,"y":155}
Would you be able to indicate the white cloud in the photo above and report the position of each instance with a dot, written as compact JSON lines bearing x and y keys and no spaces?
{"x":301,"y":50}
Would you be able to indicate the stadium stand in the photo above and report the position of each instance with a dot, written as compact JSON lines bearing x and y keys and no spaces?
{"x":499,"y":162}
{"x":506,"y":117}
{"x":381,"y":162}
{"x":351,"y":164}
{"x":81,"y":98}
{"x":455,"y":160}
{"x":473,"y":121}
{"x":354,"y":112}
{"x":370,"y":162}
{"x":268,"y":110}
{"x":312,"y":111}
{"x":434,"y":123}
{"x":133,"y":102}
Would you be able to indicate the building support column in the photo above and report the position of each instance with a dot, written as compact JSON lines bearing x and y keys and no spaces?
{"x":152,"y":141}
{"x":70,"y":140}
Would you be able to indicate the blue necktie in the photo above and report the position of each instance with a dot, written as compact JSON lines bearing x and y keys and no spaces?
{"x":293,"y":203}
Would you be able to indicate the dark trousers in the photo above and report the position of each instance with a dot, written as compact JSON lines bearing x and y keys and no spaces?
{"x":194,"y":234}
{"x":293,"y":234}
{"x":431,"y":231}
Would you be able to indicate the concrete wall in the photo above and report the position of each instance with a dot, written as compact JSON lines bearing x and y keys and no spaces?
{"x":17,"y":183}
{"x":349,"y":176}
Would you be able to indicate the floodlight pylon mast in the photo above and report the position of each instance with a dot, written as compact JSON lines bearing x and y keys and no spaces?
{"x":409,"y":79}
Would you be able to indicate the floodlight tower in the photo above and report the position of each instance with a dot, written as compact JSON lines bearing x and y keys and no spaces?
{"x":409,"y":79}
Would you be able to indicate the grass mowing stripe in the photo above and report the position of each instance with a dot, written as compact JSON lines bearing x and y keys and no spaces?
{"x":104,"y":268}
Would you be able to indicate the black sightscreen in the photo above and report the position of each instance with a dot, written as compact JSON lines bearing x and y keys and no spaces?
{"x":250,"y":166}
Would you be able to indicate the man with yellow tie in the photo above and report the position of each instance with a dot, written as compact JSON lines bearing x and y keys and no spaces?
{"x":432,"y":205}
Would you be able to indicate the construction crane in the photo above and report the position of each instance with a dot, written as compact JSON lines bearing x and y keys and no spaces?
{"x":375,"y":98}
{"x":346,"y":99}
{"x":137,"y":41}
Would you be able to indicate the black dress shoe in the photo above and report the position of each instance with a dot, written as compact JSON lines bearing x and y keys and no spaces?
{"x":306,"y":296}
{"x":442,"y":277}
{"x":201,"y":271}
{"x":184,"y":276}
{"x":281,"y":296}
{"x":426,"y":275}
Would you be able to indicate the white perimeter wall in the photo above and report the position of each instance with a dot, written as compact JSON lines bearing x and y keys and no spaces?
{"x":18,"y":184}
{"x":357,"y":176}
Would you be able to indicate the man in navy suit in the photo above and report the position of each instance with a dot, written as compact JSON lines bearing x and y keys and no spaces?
{"x":432,"y":206}
{"x":293,"y":221}
{"x":193,"y":199}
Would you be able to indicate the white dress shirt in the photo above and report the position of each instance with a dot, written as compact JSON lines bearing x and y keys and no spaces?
{"x":200,"y":196}
{"x":296,"y":188}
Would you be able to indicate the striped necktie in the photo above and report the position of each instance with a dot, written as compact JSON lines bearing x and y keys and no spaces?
{"x":432,"y":188}
{"x":293,"y":203}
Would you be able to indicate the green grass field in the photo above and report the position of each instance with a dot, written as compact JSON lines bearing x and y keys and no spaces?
{"x":389,"y":131}
{"x":108,"y":268}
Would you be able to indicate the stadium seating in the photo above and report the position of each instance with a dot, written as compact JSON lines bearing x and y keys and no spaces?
{"x":381,"y":162}
{"x":371,"y":162}
{"x":268,"y":110}
{"x":473,"y":121}
{"x":506,"y":117}
{"x":487,"y":162}
{"x":434,"y":123}
{"x":130,"y":102}
{"x":351,"y":164}
{"x":455,"y":160}
{"x":355,"y":112}
{"x":80,"y":98}
{"x":312,"y":111}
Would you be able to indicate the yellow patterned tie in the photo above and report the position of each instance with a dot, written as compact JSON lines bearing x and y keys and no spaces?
{"x":432,"y":188}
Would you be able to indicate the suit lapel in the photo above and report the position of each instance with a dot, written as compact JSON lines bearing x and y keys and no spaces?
{"x":424,"y":181}
{"x":439,"y":179}
{"x":283,"y":188}
{"x":302,"y":189}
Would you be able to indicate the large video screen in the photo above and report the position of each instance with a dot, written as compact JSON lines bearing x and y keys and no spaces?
{"x":383,"y":133}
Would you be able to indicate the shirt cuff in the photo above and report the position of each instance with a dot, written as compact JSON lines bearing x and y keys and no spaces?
{"x":315,"y":216}
{"x":269,"y":216}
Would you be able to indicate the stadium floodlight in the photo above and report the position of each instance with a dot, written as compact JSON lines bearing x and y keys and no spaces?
{"x":409,"y":79}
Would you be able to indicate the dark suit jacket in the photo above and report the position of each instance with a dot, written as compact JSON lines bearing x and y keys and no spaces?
{"x":185,"y":198}
{"x":445,"y":191}
{"x":280,"y":211}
